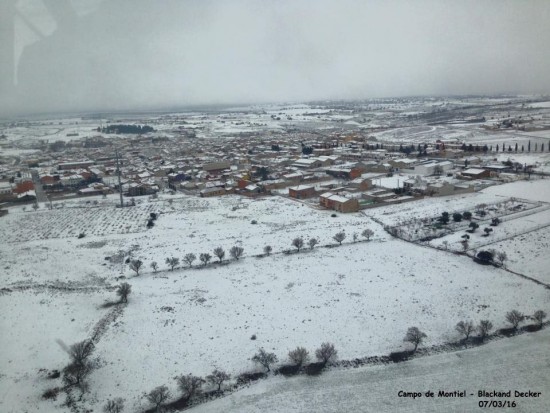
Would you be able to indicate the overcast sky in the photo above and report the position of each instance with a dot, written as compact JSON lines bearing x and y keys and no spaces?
{"x":140,"y":54}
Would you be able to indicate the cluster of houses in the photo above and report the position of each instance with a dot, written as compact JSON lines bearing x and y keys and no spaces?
{"x":340,"y":172}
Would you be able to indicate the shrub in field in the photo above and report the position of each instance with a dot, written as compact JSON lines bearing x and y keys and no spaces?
{"x":154,"y":266}
{"x":312,"y":242}
{"x":473,"y":226}
{"x":189,"y":258}
{"x":501,"y":256}
{"x":326,"y":352}
{"x":414,"y":336}
{"x":236,"y":252}
{"x":135,"y":265}
{"x":339,"y":237}
{"x":158,"y":396}
{"x":267,"y":250}
{"x":484,"y":328}
{"x":514,"y":317}
{"x":485,"y":257}
{"x":465,"y":328}
{"x":172,"y":262}
{"x":298,"y":243}
{"x":219,"y":252}
{"x":367,"y":233}
{"x":298,"y":356}
{"x":265,"y":359}
{"x":75,"y":374}
{"x":81,"y":351}
{"x":51,"y":394}
{"x":539,"y":317}
{"x":123,"y":291}
{"x":189,"y":385}
{"x":205,"y":258}
{"x":218,"y":377}
{"x":444,"y":218}
{"x":114,"y":406}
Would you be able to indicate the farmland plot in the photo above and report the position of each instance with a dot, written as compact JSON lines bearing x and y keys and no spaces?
{"x":360,"y":296}
{"x":70,"y":222}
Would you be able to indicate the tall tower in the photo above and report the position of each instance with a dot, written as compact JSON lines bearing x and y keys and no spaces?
{"x":119,"y":181}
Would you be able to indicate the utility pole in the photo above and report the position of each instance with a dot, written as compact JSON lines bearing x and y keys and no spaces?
{"x":118,"y":173}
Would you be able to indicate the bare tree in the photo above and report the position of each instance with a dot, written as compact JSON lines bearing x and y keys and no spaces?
{"x":267,"y":250}
{"x":355,"y":236}
{"x":465,"y":244}
{"x":445,"y":245}
{"x":265,"y":359}
{"x":123,"y":291}
{"x":326,"y":352}
{"x":220,"y":253}
{"x":501,"y":256}
{"x":367,"y":233}
{"x":298,"y":356}
{"x":298,"y":243}
{"x":189,"y":258}
{"x":236,"y":252}
{"x":114,"y":406}
{"x":205,"y":258}
{"x":189,"y":385}
{"x":157,"y":396}
{"x":539,"y":316}
{"x":218,"y":377}
{"x":76,"y":372}
{"x":465,"y":327}
{"x":414,"y":336}
{"x":312,"y":242}
{"x":339,"y":237}
{"x":135,"y":265}
{"x":172,"y":262}
{"x":154,"y":266}
{"x":514,"y":317}
{"x":81,"y":351}
{"x":484,"y":328}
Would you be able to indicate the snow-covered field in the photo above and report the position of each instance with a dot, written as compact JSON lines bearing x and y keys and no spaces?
{"x":360,"y":296}
{"x":518,"y":364}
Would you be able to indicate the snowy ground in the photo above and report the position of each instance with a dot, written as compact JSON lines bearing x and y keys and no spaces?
{"x":32,"y":322}
{"x":361,"y":296}
{"x":518,"y":364}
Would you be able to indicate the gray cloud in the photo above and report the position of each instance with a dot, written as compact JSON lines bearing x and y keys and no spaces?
{"x":137,"y":54}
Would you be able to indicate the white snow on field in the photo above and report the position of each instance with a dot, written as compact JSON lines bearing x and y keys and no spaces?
{"x":362,"y":296}
{"x":198,"y":319}
{"x":535,"y":190}
{"x":31,"y":322}
{"x":528,"y":254}
{"x":519,"y":364}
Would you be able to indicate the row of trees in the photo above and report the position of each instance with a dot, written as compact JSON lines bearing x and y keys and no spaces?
{"x":236,"y":252}
{"x":514,"y":318}
{"x":191,"y":386}
{"x":339,"y":237}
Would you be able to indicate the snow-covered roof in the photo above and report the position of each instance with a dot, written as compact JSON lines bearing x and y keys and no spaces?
{"x":473,"y":171}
